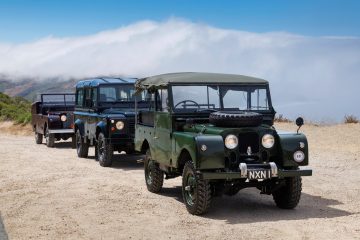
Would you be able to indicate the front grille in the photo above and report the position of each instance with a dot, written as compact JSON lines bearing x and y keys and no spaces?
{"x":246,"y":140}
{"x":131,"y":123}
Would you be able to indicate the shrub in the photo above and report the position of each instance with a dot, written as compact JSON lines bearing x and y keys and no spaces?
{"x":281,"y":118}
{"x":15,"y":109}
{"x":351,"y":119}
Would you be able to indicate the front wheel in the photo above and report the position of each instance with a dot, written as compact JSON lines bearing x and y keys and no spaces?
{"x":104,"y":151}
{"x":154,"y":177}
{"x":82,"y":148}
{"x":38,"y":138}
{"x":288,"y":195}
{"x":73,"y":142}
{"x":50,"y":138}
{"x":196,"y":192}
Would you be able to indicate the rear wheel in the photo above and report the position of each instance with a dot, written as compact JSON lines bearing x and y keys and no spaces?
{"x":196,"y":192}
{"x":104,"y":151}
{"x":38,"y":138}
{"x":288,"y":195}
{"x":82,"y":148}
{"x":154,"y":177}
{"x":50,"y":138}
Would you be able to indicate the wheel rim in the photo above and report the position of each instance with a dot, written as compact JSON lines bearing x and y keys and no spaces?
{"x":190,"y":189}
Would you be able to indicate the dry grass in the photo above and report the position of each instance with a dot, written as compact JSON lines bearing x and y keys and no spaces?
{"x":9,"y":127}
{"x":281,"y":119}
{"x":351,"y":119}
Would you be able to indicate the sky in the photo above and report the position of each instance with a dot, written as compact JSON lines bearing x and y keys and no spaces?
{"x":308,"y":50}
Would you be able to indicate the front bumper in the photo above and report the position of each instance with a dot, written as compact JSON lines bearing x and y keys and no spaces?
{"x":243,"y":168}
{"x":61,"y":131}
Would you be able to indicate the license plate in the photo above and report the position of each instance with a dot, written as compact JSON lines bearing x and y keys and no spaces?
{"x":259,"y":174}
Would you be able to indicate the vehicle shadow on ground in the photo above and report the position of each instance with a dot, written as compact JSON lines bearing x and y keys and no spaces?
{"x":249,"y":206}
{"x":173,"y":192}
{"x":3,"y":234}
{"x":128,"y":161}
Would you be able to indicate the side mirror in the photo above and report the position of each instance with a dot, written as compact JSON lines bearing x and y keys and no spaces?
{"x":299,"y":122}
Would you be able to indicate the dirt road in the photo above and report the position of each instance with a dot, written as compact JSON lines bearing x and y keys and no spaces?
{"x":51,"y":194}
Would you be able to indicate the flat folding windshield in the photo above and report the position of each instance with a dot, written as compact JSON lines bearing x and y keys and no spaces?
{"x":220,"y":97}
{"x":121,"y":95}
{"x":58,"y":99}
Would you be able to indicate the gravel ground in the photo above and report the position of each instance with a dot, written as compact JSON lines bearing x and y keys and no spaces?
{"x":49,"y":193}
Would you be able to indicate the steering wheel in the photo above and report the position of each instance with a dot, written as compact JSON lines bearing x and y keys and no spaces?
{"x":185,"y":101}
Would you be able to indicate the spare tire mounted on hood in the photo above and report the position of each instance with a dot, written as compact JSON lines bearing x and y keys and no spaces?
{"x":235,"y":119}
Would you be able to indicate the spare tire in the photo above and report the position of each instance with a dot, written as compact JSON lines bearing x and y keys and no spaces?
{"x":235,"y":119}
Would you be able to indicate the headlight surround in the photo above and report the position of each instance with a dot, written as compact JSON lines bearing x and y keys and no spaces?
{"x":231,"y":141}
{"x":63,"y":118}
{"x":268,"y":141}
{"x":119,"y":125}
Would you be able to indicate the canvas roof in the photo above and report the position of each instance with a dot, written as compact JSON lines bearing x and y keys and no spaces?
{"x":195,"y":77}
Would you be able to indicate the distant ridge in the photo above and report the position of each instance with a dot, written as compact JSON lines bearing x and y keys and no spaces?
{"x":29,"y":88}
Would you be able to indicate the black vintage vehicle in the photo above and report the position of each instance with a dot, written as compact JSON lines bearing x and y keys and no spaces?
{"x":105,"y":117}
{"x":216,"y":131}
{"x":52,"y":117}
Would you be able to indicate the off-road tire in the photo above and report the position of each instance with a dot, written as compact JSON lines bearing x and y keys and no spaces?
{"x":96,"y":153}
{"x":50,"y":139}
{"x":288,"y":195}
{"x":201,"y":191}
{"x":154,"y":177}
{"x":104,"y":151}
{"x":235,"y":119}
{"x":82,"y":148}
{"x":73,"y":142}
{"x":38,"y":138}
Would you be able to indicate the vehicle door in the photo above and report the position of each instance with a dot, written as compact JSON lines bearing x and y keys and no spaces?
{"x":162,"y":138}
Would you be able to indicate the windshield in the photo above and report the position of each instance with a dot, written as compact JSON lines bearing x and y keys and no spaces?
{"x":217,"y":97}
{"x":118,"y":94}
{"x":58,"y":99}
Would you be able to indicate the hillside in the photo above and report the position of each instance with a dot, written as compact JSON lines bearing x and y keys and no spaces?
{"x":15,"y":109}
{"x":29,"y":88}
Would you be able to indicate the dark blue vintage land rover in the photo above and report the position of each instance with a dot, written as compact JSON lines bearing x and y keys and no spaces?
{"x":104,"y":117}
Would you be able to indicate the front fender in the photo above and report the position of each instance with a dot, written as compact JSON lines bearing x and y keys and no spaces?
{"x":210,"y":151}
{"x":289,"y":144}
{"x":211,"y":158}
{"x":79,"y":125}
{"x":102,"y":127}
{"x":54,"y":122}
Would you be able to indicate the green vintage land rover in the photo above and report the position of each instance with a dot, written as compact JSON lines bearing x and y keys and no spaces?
{"x":216,"y":130}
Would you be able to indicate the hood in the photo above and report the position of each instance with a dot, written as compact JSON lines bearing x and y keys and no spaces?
{"x":118,"y":113}
{"x":211,"y":129}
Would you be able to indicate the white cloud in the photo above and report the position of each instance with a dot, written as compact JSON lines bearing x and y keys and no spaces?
{"x":317,"y":77}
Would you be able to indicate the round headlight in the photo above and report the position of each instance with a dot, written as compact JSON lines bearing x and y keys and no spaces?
{"x":268,"y":141}
{"x":299,"y":156}
{"x":231,"y":141}
{"x":119,"y":125}
{"x":63,"y":118}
